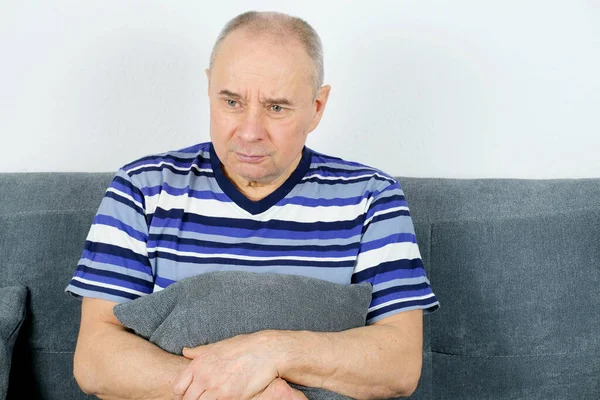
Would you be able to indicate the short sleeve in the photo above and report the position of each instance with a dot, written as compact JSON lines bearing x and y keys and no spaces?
{"x":389,"y":257}
{"x":114,"y":264}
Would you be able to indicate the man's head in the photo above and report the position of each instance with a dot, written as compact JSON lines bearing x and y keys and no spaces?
{"x":265,"y":92}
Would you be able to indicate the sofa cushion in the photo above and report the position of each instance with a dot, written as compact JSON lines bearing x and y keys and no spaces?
{"x":520,"y":296}
{"x":12,"y":315}
{"x":215,"y":306}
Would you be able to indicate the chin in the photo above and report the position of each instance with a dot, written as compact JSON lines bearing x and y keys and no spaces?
{"x":253,"y":174}
{"x":257,"y":178}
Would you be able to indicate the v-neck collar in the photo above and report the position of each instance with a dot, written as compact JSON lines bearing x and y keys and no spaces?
{"x":260,"y":206}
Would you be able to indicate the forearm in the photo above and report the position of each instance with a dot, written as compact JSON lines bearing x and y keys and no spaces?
{"x":364,"y":363}
{"x":113,"y":363}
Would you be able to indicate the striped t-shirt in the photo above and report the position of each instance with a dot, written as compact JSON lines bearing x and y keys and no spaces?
{"x":176,"y":215}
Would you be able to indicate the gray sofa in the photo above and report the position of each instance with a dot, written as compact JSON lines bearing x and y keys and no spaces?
{"x":514,"y":263}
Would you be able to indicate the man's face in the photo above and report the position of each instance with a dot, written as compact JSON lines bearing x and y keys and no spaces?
{"x":262,"y":107}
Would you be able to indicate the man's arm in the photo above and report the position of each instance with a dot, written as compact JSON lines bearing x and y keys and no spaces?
{"x":382,"y":360}
{"x":379,"y":361}
{"x":113,"y":363}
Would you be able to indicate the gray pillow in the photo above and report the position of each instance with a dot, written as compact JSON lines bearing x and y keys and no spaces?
{"x":218,"y":305}
{"x":12,"y":315}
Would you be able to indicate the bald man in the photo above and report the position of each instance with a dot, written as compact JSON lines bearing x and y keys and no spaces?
{"x":265,"y":85}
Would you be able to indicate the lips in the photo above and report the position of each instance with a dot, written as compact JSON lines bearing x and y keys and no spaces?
{"x":249,"y":158}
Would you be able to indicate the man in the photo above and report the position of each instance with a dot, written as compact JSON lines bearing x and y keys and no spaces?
{"x":256,"y":188}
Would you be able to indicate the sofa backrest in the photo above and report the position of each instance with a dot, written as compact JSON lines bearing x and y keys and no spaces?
{"x":44,"y":220}
{"x":514,"y":263}
{"x":516,"y":267}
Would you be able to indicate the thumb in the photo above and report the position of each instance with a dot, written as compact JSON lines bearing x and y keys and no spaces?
{"x":190,"y":352}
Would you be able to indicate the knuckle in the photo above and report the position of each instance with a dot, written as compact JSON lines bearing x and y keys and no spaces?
{"x":227,"y":394}
{"x":177,"y":391}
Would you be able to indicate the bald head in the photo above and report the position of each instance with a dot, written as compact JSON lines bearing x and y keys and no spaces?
{"x":279,"y":27}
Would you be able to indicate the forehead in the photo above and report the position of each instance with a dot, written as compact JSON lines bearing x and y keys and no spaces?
{"x":262,"y":63}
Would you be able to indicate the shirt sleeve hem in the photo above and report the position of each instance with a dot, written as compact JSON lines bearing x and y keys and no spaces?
{"x":80,"y":293}
{"x":427,"y":309}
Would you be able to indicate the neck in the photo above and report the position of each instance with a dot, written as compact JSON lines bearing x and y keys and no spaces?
{"x":257,"y":190}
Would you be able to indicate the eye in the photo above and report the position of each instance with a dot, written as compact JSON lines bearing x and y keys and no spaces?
{"x":231,"y":103}
{"x":276,"y":108}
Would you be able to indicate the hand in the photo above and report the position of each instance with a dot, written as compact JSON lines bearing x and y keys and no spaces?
{"x":279,"y":389}
{"x":240,"y":368}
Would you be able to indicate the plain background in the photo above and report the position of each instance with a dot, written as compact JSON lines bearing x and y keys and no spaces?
{"x":462,"y":89}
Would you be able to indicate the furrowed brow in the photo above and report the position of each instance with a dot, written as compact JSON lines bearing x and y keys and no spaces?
{"x":229,"y":93}
{"x":279,"y":101}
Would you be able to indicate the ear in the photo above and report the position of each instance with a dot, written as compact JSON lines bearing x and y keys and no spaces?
{"x":319,"y":106}
{"x":207,"y":72}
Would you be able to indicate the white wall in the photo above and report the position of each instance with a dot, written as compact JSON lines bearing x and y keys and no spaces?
{"x":420,"y":88}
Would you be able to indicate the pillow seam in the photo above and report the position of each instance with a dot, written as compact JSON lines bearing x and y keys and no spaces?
{"x":17,"y":327}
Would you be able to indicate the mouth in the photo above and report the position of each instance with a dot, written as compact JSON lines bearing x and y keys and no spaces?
{"x":249,"y":158}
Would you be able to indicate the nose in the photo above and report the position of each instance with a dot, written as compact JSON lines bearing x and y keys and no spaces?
{"x":252,"y":127}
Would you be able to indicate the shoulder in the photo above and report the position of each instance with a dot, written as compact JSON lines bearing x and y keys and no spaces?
{"x":154,"y":169}
{"x":330,"y":170}
{"x":174,"y":159}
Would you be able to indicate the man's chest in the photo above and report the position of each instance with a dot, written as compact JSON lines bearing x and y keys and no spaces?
{"x":188,"y":237}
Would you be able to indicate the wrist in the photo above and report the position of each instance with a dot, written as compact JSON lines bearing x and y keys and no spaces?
{"x":283,"y":348}
{"x":173,"y":369}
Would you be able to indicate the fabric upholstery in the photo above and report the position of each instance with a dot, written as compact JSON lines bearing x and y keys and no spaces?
{"x":219,"y":305}
{"x":516,"y":267}
{"x":514,"y":263}
{"x":44,"y":219}
{"x":12,"y":314}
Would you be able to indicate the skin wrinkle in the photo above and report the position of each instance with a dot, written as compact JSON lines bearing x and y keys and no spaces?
{"x":281,"y":101}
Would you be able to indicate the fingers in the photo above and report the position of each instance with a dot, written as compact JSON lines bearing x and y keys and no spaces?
{"x":181,"y":386}
{"x":208,"y":396}
{"x":279,"y":389}
{"x":271,"y":392}
{"x":195,"y":392}
{"x":191,"y":352}
{"x":297,"y":395}
{"x":186,"y":389}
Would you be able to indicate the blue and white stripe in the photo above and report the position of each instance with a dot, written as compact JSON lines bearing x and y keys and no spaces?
{"x":172,"y":216}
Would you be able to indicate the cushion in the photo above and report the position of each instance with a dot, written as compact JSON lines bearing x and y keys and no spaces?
{"x":12,"y":315}
{"x":218,"y":305}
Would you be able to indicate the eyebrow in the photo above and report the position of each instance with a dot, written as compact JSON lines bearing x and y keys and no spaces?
{"x":281,"y":100}
{"x":228,"y":93}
